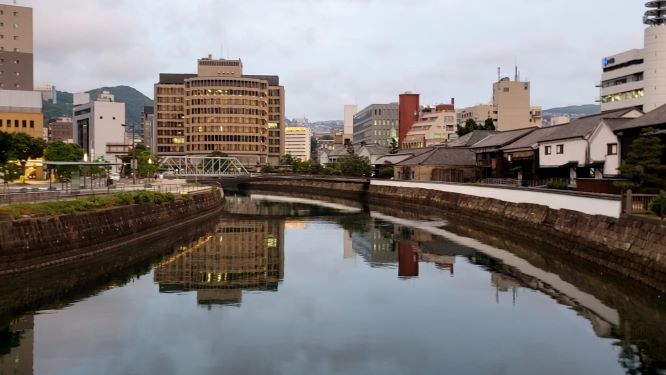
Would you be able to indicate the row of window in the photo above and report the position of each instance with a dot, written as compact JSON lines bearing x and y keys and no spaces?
{"x":227,"y":129}
{"x":260,"y":94}
{"x":220,"y":102}
{"x":225,"y":120}
{"x":226,"y":147}
{"x":226,"y":111}
{"x":179,"y":90}
{"x":225,"y":138}
{"x":224,"y":83}
{"x":611,"y":149}
{"x":17,"y":123}
{"x":627,"y":95}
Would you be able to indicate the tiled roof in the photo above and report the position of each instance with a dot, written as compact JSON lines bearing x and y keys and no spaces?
{"x":500,"y":139}
{"x":531,"y":139}
{"x":375,"y":149}
{"x":470,"y":138}
{"x":444,"y":156}
{"x":652,"y":118}
{"x":582,"y":126}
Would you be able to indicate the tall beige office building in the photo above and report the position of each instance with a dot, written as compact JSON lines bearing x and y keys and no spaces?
{"x":16,"y":60}
{"x":220,"y":109}
{"x":510,"y":108}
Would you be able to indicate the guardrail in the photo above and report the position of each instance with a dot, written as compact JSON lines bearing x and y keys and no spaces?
{"x":521,"y":183}
{"x":46,"y":195}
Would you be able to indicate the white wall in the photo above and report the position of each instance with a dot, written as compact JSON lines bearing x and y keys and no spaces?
{"x":574,"y":150}
{"x":106,"y":127}
{"x":584,"y":204}
{"x":599,"y":149}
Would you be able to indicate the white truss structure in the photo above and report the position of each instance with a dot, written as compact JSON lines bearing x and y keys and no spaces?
{"x":202,"y":166}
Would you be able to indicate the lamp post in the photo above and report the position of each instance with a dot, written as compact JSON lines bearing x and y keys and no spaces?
{"x":150,"y":168}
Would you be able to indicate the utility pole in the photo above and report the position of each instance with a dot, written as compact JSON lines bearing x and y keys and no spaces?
{"x":134,"y":163}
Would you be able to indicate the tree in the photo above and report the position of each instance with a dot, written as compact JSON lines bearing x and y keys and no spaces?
{"x":10,"y":171}
{"x":489,"y":124}
{"x":643,"y":167}
{"x":394,"y":146}
{"x":23,"y":147}
{"x":354,"y":165}
{"x":287,"y":160}
{"x":470,"y":126}
{"x":5,"y":143}
{"x":60,"y":151}
{"x":218,"y":154}
{"x":146,"y":162}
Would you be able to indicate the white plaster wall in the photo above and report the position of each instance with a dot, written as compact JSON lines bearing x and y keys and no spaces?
{"x":599,"y":149}
{"x":655,"y":67}
{"x":588,"y":205}
{"x":574,"y":150}
{"x":106,"y":127}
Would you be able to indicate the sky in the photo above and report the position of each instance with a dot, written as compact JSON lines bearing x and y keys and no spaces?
{"x":334,"y":52}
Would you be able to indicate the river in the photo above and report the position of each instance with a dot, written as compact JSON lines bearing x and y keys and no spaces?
{"x":280,"y":285}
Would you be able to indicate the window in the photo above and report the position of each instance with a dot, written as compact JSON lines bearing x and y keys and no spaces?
{"x":9,"y":123}
{"x":32,"y":123}
{"x":612,"y":149}
{"x":506,"y":89}
{"x":548,"y":150}
{"x":15,"y":37}
{"x":101,"y":117}
{"x":559,"y":149}
{"x":16,"y":13}
{"x":16,"y":122}
{"x":24,"y":123}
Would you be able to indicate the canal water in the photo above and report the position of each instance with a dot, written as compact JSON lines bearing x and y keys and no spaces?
{"x":288,"y":286}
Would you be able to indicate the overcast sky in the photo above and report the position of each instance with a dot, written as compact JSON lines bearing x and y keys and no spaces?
{"x":331,"y":52}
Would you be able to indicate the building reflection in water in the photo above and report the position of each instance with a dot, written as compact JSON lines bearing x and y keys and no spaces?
{"x":241,"y":255}
{"x":16,"y":346}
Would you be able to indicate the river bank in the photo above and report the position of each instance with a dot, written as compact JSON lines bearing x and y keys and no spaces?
{"x":29,"y":244}
{"x":628,"y":246}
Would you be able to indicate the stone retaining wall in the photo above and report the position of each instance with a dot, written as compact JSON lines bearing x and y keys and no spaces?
{"x":32,"y":243}
{"x":630,"y":246}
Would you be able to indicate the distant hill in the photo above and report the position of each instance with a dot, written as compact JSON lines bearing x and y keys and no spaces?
{"x":573,"y":110}
{"x":133,"y":99}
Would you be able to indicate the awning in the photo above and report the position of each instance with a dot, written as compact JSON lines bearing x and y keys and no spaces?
{"x":566,"y":165}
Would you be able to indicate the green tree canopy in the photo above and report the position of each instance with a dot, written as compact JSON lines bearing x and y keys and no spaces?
{"x":5,"y":144}
{"x":218,"y":154}
{"x":60,"y":151}
{"x":24,"y":147}
{"x":10,"y":171}
{"x":394,"y":146}
{"x":471,"y":125}
{"x":354,"y":165}
{"x":643,"y":167}
{"x":287,"y":160}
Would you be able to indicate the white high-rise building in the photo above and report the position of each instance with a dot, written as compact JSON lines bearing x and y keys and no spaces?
{"x":637,"y":78}
{"x":297,"y":142}
{"x":98,"y":126}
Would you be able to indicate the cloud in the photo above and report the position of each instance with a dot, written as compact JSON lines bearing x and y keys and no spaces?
{"x":331,"y":52}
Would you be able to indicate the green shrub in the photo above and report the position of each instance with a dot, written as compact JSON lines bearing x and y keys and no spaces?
{"x":386,"y":172}
{"x":184,"y":196}
{"x":158,"y":198}
{"x":559,"y":185}
{"x":169,"y":197}
{"x":124,"y":198}
{"x":268,"y":169}
{"x":658,"y":205}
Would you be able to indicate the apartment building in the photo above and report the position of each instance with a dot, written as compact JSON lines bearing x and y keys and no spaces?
{"x":348,"y":127}
{"x":637,"y":78}
{"x":220,"y":109}
{"x":99,"y":126}
{"x":148,"y":125}
{"x":510,"y":108}
{"x":376,"y":124}
{"x":16,"y":54}
{"x":434,"y":126}
{"x":61,"y":128}
{"x":298,"y":142}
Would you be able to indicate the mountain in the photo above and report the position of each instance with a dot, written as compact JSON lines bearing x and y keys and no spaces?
{"x":573,"y":110}
{"x":133,"y":99}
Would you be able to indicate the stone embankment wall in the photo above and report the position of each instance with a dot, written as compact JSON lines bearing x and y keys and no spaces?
{"x":33,"y":243}
{"x":631,"y":246}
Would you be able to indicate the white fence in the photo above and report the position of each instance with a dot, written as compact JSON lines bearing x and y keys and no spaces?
{"x":586,"y":203}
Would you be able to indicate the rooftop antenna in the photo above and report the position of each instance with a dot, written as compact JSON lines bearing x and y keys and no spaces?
{"x":516,"y":76}
{"x":499,"y":73}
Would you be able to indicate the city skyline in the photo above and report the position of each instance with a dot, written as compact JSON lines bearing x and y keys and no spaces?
{"x":359,"y":52}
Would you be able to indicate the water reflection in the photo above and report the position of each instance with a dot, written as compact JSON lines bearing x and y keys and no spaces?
{"x":16,"y":346}
{"x":241,"y":255}
{"x":404,"y":296}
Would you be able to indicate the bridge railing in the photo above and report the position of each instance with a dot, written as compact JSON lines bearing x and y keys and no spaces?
{"x":204,"y":166}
